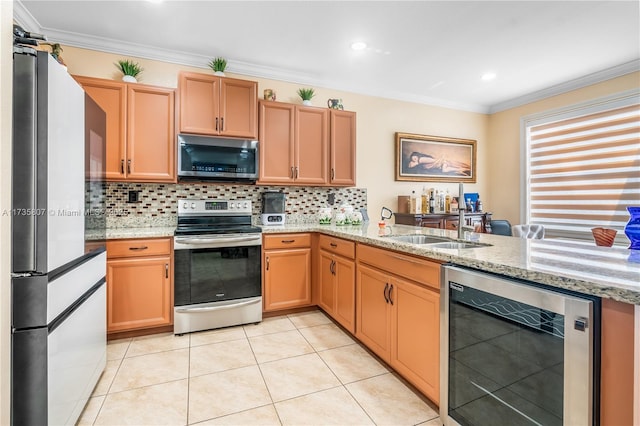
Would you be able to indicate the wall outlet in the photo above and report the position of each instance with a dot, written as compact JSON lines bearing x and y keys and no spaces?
{"x":134,"y":196}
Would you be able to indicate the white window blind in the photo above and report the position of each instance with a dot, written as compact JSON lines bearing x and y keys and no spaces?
{"x":584,"y":170}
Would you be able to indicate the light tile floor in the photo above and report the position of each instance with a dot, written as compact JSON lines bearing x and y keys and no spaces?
{"x":298,"y":369}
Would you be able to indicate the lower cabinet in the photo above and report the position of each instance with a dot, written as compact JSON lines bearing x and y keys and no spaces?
{"x":399,"y":318}
{"x":337,"y":280}
{"x":287,"y":271}
{"x":139,"y":284}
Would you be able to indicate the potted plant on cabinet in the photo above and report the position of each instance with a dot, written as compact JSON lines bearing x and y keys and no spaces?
{"x":306,"y":95}
{"x":130,"y":70}
{"x":218,"y":65}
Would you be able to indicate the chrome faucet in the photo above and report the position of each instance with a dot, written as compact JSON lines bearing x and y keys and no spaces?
{"x":461,"y":220}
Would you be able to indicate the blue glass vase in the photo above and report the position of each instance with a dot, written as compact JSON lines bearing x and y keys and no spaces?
{"x":632,"y":230}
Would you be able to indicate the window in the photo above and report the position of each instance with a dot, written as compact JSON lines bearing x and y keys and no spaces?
{"x":583,"y":167}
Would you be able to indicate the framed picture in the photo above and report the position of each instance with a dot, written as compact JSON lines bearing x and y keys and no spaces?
{"x":424,"y":158}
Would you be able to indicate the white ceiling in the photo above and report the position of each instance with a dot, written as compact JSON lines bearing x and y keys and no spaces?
{"x":431,"y":52}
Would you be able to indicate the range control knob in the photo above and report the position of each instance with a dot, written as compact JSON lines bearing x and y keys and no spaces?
{"x":193,"y":205}
{"x":185,"y":205}
{"x":245,"y":205}
{"x":232,"y":205}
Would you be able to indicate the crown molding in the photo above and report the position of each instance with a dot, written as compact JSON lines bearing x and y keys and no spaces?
{"x":23,"y":17}
{"x":578,"y":83}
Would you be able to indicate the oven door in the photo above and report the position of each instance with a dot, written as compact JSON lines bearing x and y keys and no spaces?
{"x":217,"y":268}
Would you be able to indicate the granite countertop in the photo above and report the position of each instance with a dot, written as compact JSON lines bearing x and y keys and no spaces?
{"x":140,"y":232}
{"x":608,"y":272}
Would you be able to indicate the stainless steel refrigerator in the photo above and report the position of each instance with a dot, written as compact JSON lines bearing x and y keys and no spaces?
{"x":58,"y":340}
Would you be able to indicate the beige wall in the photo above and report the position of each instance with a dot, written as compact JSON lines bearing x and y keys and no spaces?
{"x":504,"y":142}
{"x":378,"y":120}
{"x":6,"y":83}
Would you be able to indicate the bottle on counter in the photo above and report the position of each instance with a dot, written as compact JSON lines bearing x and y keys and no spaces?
{"x":432,"y":202}
{"x":436,"y":197}
{"x":442,"y":202}
{"x":425,"y":200}
{"x":447,"y":202}
{"x":478,"y":205}
{"x":454,"y":205}
{"x":416,"y":203}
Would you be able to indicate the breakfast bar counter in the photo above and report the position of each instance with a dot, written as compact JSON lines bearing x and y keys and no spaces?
{"x":608,"y":272}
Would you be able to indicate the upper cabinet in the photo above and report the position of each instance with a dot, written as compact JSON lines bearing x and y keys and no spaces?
{"x":343,"y":148}
{"x":218,"y":106}
{"x":140,"y":129}
{"x":302,"y":145}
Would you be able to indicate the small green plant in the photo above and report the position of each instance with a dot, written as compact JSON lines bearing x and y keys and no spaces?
{"x":218,"y":64}
{"x":306,"y":94}
{"x":129,"y":67}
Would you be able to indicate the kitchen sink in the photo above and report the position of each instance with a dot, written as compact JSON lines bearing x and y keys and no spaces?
{"x":418,"y":239}
{"x":436,"y":242}
{"x":457,"y":245}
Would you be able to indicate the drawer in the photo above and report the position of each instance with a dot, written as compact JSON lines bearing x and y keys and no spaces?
{"x":138,"y":247}
{"x":338,"y":246}
{"x":284,"y":241}
{"x":422,"y":271}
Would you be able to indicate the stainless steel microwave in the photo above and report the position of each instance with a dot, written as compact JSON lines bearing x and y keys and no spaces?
{"x":221,"y":159}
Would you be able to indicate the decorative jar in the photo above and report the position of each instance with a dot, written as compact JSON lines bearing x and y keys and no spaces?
{"x":632,"y":229}
{"x":324,"y":215}
{"x":356,"y":218}
{"x":341,"y":219}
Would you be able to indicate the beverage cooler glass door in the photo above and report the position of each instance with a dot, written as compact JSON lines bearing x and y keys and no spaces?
{"x":515,"y":354}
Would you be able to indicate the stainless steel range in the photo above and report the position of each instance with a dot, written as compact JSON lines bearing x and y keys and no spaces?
{"x":217,"y":266}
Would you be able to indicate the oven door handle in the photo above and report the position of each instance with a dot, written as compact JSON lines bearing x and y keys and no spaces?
{"x":219,"y":241}
{"x":197,"y":310}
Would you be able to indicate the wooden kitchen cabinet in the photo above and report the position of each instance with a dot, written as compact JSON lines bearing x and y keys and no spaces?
{"x":337,"y":280}
{"x":218,"y":106}
{"x":398,"y":315}
{"x":139,"y":284}
{"x":140,"y":129}
{"x":286,"y":260}
{"x":294,"y":144}
{"x":342,"y":148}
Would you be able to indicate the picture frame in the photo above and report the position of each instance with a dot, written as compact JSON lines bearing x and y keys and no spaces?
{"x":423,"y":158}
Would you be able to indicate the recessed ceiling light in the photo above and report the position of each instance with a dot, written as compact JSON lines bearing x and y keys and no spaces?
{"x":488,"y":76}
{"x":359,"y":45}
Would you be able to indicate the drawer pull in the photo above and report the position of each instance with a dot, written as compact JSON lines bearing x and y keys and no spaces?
{"x":139,"y":248}
{"x":334,"y":245}
{"x":287,"y":241}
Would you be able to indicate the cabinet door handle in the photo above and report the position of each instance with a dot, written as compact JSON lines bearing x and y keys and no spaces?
{"x":128,"y":166}
{"x":216,"y":124}
{"x":296,"y":172}
{"x":139,"y":248}
{"x":267,"y":268}
{"x":334,"y":245}
{"x":292,"y":176}
{"x":222,"y":124}
{"x":122,"y":166}
{"x":333,"y":173}
{"x":390,"y":291}
{"x":166,"y":270}
{"x":386,"y":287}
{"x":332,"y":267}
{"x":287,"y":241}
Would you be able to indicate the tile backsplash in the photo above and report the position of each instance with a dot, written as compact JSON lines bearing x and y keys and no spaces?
{"x":157,"y":204}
